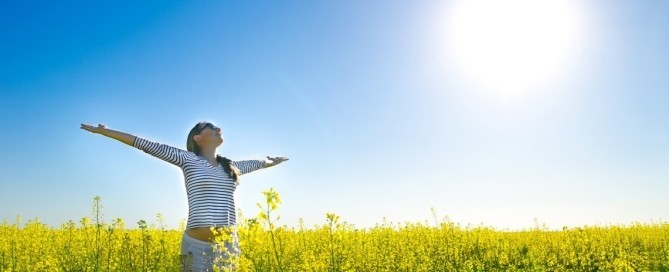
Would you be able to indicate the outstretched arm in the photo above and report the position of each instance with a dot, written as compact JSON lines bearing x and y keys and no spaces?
{"x":272,"y":161}
{"x":164,"y":152}
{"x":248,"y":166}
{"x":103,"y":130}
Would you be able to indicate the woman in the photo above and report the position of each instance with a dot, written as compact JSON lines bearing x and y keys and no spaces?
{"x":210,"y":183}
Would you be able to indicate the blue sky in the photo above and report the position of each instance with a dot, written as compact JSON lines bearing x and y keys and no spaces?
{"x":377,"y":120}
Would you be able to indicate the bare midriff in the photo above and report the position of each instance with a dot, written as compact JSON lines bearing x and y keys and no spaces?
{"x":203,"y":233}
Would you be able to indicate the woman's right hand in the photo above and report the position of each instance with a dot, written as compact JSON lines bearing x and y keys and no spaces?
{"x":103,"y":130}
{"x":99,"y":129}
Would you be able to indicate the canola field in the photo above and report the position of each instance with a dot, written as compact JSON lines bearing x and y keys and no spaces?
{"x":92,"y":244}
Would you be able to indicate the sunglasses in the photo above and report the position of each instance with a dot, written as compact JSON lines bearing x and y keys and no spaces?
{"x":206,"y":125}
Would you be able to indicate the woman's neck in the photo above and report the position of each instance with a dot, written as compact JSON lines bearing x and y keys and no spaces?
{"x":209,"y":154}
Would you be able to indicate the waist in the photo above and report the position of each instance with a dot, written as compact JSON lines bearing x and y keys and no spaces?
{"x":206,"y":234}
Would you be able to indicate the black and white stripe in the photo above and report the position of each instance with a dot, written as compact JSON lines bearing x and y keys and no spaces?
{"x":210,"y":190}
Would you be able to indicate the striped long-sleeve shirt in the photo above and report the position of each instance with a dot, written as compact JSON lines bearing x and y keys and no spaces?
{"x":210,"y":190}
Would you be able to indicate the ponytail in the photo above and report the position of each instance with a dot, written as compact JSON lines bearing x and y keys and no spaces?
{"x":229,"y":169}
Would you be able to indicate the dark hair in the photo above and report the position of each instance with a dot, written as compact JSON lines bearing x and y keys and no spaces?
{"x":191,"y":146}
{"x":229,"y":169}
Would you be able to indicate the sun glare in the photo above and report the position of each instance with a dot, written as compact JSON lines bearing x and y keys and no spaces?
{"x":513,"y":46}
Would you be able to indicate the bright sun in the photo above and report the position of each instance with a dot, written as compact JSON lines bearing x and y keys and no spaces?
{"x":513,"y":45}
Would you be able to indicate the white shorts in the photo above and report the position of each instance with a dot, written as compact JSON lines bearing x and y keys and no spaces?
{"x":202,"y":256}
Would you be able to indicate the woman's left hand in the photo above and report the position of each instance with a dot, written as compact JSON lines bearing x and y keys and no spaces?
{"x":274,"y":161}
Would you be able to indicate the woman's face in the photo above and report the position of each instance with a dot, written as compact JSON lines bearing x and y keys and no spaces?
{"x":210,"y":135}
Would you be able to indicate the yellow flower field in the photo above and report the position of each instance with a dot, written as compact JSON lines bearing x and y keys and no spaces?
{"x":91,"y":245}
